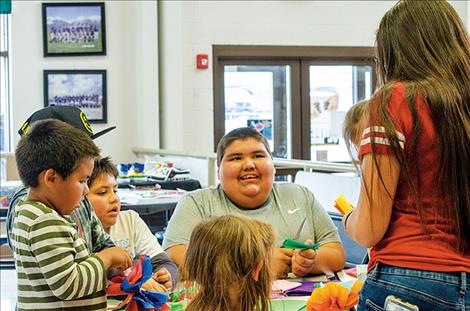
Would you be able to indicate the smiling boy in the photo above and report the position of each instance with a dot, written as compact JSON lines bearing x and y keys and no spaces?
{"x":246,"y":173}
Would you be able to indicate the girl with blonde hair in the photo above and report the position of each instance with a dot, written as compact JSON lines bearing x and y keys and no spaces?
{"x":414,"y":206}
{"x":229,"y":259}
{"x":353,"y":126}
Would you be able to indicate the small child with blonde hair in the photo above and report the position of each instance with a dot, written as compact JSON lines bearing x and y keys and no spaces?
{"x":353,"y":127}
{"x":229,"y":259}
{"x":354,"y":122}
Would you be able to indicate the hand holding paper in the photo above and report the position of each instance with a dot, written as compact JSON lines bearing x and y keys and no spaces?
{"x":303,"y":260}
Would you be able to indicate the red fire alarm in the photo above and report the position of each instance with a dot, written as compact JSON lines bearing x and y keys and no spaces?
{"x":202,"y":61}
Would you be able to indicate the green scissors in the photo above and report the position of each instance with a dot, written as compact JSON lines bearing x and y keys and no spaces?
{"x":295,"y":244}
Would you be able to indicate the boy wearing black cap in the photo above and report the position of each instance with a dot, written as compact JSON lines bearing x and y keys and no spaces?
{"x":88,"y":225}
{"x":68,"y":114}
{"x":54,"y":268}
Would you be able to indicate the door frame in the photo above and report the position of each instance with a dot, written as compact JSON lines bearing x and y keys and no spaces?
{"x":305,"y":96}
{"x":295,"y":56}
{"x":219,"y":107}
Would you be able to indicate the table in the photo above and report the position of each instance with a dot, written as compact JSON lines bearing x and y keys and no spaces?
{"x":135,"y":183}
{"x":289,"y":303}
{"x":151,"y":204}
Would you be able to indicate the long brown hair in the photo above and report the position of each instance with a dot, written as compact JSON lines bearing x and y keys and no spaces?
{"x":424,"y":45}
{"x":222,"y":254}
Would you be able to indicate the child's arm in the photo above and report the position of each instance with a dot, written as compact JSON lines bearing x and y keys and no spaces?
{"x":146,"y":243}
{"x":62,"y":258}
{"x":115,"y":257}
{"x":368,"y":224}
{"x":163,"y":262}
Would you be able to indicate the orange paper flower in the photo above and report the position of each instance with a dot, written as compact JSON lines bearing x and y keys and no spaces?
{"x":334,"y":296}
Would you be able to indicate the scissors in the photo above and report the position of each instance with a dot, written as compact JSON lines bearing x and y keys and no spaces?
{"x":295,"y":244}
{"x":301,"y":227}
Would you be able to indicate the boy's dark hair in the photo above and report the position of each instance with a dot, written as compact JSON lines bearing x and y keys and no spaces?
{"x":240,"y":133}
{"x":103,"y":166}
{"x":52,"y":144}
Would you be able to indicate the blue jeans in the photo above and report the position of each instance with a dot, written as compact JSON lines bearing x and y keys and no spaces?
{"x":426,"y":289}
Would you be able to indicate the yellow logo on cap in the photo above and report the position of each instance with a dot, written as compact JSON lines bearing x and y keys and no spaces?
{"x":25,"y":127}
{"x":85,"y":122}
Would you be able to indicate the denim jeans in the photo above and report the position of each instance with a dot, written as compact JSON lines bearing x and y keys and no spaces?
{"x":426,"y":289}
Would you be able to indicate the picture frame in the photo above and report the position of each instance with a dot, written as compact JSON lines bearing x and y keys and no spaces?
{"x":74,"y":29}
{"x":84,"y":89}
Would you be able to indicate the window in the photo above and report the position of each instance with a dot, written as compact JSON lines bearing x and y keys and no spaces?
{"x":5,"y":134}
{"x":297,"y":97}
{"x":4,"y":83}
{"x":259,"y":95}
{"x":333,"y":89}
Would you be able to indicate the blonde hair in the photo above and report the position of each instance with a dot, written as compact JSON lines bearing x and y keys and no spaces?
{"x":222,"y":254}
{"x":354,"y":123}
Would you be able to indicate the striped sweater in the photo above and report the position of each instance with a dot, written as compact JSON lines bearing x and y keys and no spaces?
{"x":55,"y":270}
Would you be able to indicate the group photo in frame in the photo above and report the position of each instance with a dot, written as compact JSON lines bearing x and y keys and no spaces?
{"x":73,"y":29}
{"x":84,"y":89}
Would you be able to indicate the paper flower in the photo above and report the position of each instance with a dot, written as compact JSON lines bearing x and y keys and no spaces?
{"x":130,"y":285}
{"x":334,"y":296}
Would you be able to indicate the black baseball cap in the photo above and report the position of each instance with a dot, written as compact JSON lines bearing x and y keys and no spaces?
{"x":67,"y":114}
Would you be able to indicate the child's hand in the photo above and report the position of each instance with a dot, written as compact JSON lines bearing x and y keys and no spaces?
{"x":153,"y":285}
{"x":121,"y":258}
{"x":303,"y":261}
{"x":115,"y":257}
{"x":163,"y":277}
{"x":282,"y":261}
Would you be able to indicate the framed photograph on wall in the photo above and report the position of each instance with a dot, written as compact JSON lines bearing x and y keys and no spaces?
{"x":72,"y":29}
{"x":84,"y":89}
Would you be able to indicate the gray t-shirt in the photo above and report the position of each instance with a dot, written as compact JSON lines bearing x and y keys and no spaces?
{"x":285,"y":209}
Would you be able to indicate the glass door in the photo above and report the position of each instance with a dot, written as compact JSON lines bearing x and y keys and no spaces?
{"x":296,"y":96}
{"x":261,"y":96}
{"x":332,"y":90}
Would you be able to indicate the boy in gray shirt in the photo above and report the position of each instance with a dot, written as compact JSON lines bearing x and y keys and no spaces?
{"x":246,"y":173}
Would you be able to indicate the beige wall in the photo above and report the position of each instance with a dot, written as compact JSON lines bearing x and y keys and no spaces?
{"x":138,"y":62}
{"x":131,"y":64}
{"x":191,"y":27}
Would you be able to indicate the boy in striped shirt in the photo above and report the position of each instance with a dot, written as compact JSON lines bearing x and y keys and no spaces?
{"x":54,"y":267}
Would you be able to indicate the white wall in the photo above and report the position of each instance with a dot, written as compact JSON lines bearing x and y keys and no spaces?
{"x":468,"y":14}
{"x":185,"y":28}
{"x":191,"y":27}
{"x":131,"y":64}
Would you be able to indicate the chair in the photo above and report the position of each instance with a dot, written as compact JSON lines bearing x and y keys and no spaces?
{"x":160,"y":235}
{"x":326,"y":188}
{"x":355,"y":253}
